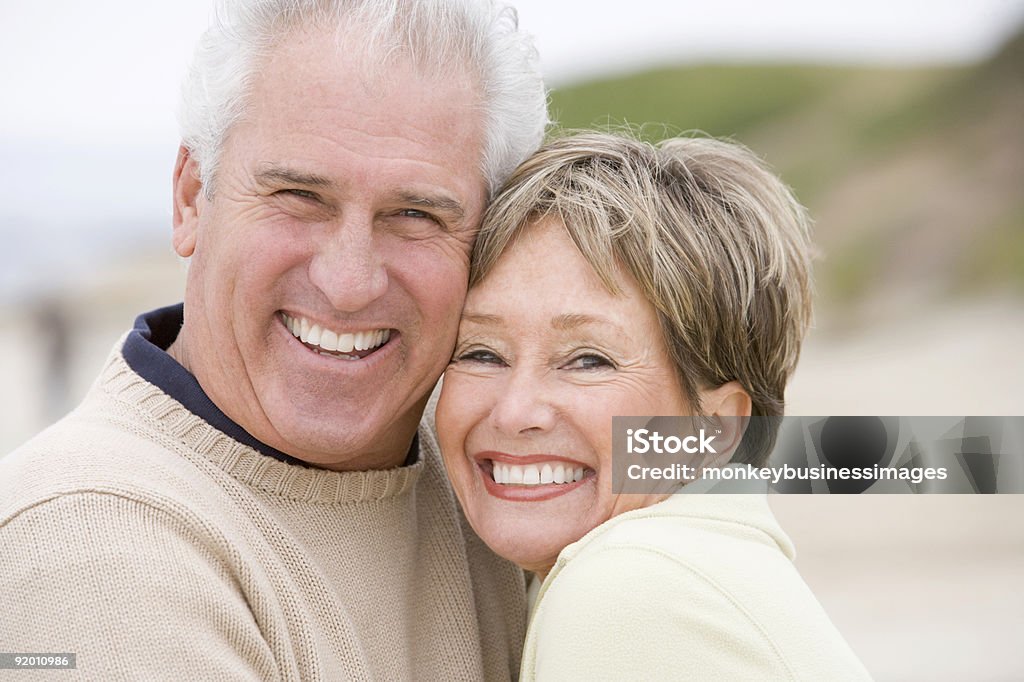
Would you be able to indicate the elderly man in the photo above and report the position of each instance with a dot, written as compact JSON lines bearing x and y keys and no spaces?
{"x":246,"y":492}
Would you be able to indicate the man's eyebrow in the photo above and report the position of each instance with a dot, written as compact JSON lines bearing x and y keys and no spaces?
{"x":571,"y":321}
{"x":450,"y":206}
{"x":279,"y":175}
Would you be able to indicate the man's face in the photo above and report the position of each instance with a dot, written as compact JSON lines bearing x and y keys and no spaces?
{"x":329,"y":268}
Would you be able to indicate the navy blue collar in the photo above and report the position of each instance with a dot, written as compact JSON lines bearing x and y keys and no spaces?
{"x":145,"y":352}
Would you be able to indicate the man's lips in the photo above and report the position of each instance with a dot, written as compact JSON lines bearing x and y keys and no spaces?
{"x":345,"y":345}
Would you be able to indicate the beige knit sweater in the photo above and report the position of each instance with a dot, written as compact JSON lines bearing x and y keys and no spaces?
{"x":140,"y":538}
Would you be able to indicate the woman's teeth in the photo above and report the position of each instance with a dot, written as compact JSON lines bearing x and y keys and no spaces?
{"x":535,"y":474}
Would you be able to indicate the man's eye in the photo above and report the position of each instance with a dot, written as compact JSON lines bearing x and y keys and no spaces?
{"x":413,"y":213}
{"x":301,"y":193}
{"x":481,"y":356}
{"x":589,"y":361}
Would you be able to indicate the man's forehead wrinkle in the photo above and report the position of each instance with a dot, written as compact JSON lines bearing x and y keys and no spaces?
{"x":355,"y":145}
{"x":387,"y":142}
{"x":273,"y":174}
{"x":333,"y":121}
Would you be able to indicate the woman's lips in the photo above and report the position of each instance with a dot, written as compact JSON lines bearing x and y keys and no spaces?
{"x":530,"y":477}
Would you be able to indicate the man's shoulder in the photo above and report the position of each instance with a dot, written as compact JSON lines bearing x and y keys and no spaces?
{"x":87,"y":452}
{"x":112,"y":540}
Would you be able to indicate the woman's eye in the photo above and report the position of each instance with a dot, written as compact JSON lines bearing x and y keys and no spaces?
{"x":589,"y":361}
{"x":481,"y":356}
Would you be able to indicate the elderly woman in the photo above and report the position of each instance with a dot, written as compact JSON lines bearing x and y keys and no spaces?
{"x":611,"y":278}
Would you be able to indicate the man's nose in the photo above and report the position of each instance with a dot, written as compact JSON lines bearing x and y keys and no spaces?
{"x":524,"y":406}
{"x":348,"y":267}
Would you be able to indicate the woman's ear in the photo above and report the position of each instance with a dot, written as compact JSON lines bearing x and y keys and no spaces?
{"x":729,"y":406}
{"x":187,"y":191}
{"x":727,"y":400}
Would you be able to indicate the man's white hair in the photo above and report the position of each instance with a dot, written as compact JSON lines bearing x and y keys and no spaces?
{"x":479,"y":37}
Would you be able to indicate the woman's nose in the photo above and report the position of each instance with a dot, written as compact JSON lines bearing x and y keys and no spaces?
{"x":523,"y":405}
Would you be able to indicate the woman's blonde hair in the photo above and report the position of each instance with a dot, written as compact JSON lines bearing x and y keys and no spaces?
{"x":716,"y":242}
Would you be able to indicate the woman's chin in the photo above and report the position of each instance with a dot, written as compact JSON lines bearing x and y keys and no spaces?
{"x":533,"y":546}
{"x":535,"y":559}
{"x":530,"y":525}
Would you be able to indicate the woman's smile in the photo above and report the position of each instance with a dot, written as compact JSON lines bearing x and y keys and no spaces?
{"x":530,"y":477}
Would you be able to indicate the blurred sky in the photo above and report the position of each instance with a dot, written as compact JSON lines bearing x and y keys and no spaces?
{"x":88,"y":134}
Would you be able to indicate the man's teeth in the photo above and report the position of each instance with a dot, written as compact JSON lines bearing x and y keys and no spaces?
{"x":334,"y":342}
{"x":535,"y":474}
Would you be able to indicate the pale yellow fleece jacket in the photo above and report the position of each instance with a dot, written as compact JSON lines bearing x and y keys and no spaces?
{"x":697,"y":587}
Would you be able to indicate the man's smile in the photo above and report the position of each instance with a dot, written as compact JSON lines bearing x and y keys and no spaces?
{"x":344,"y":345}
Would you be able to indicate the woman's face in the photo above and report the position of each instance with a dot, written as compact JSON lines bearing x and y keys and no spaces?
{"x":546,"y":356}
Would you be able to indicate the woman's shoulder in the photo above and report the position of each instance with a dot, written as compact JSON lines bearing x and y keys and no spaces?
{"x":691,"y":575}
{"x":724,"y":553}
{"x":690,"y":529}
{"x":634,"y":611}
{"x":709,"y":564}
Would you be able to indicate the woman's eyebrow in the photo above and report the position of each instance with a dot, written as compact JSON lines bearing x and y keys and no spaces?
{"x":483,"y":319}
{"x":571,"y":321}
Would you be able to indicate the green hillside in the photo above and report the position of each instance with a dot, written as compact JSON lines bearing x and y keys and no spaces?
{"x":913,"y":175}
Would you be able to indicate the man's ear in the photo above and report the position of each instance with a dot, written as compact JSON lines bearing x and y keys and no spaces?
{"x":187,"y":192}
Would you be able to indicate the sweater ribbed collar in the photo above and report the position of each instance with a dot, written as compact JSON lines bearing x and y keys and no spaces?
{"x":171,"y":400}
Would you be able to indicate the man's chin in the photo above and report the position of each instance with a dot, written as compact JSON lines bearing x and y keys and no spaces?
{"x":342,"y":435}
